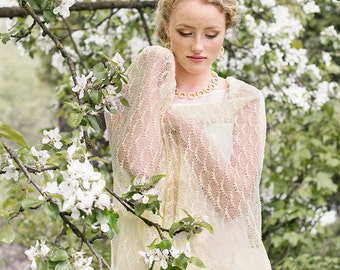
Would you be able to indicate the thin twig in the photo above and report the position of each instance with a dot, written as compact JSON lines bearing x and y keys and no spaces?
{"x":159,"y":228}
{"x":78,"y":233}
{"x":145,"y":26}
{"x":22,"y":166}
{"x":56,"y":41}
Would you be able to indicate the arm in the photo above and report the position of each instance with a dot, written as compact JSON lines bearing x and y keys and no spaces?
{"x":229,"y":184}
{"x":134,"y":132}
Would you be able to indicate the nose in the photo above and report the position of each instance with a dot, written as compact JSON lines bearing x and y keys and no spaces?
{"x":197,"y":46}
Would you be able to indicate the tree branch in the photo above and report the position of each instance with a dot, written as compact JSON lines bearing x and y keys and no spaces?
{"x":78,"y":233}
{"x":11,"y":12}
{"x":159,"y":229}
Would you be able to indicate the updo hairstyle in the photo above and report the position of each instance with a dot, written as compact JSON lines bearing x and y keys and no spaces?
{"x":165,"y":8}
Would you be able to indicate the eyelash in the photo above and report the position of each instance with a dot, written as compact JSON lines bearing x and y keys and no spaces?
{"x":184,"y":34}
{"x":211,"y":36}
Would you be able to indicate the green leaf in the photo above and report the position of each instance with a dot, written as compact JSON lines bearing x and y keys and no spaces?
{"x":58,"y":255}
{"x":42,"y":263}
{"x":324,"y":181}
{"x":197,"y":262}
{"x":74,"y":105}
{"x":124,"y":101}
{"x":110,"y":108}
{"x":207,"y":226}
{"x":52,"y":210}
{"x":7,"y":234}
{"x":181,"y":261}
{"x":174,"y":228}
{"x":75,"y":119}
{"x":155,"y":179}
{"x":113,"y":222}
{"x":96,"y":96}
{"x":292,"y":237}
{"x":139,"y":209}
{"x":6,"y":131}
{"x":165,"y":244}
{"x":297,"y":44}
{"x":99,"y":71}
{"x":93,"y":123}
{"x":30,"y":202}
{"x":5,"y":38}
{"x":64,"y":265}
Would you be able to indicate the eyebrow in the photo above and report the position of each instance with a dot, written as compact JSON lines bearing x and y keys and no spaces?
{"x":213,"y":27}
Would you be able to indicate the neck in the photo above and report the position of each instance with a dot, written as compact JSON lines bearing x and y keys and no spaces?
{"x":191,"y":82}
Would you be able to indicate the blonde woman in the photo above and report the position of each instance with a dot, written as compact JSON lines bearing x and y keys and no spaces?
{"x":204,"y":132}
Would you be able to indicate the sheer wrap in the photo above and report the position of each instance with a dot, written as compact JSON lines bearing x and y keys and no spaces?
{"x":211,"y":153}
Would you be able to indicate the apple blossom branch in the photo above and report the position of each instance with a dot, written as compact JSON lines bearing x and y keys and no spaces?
{"x":11,"y":12}
{"x":28,"y":8}
{"x":63,"y":216}
{"x":130,"y":209}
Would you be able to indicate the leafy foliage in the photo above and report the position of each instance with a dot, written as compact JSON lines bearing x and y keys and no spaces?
{"x":289,"y":49}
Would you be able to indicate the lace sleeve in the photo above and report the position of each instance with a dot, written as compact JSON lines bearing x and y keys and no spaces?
{"x":134,"y":132}
{"x":229,"y":184}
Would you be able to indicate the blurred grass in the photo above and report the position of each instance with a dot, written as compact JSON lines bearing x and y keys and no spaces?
{"x":25,"y":102}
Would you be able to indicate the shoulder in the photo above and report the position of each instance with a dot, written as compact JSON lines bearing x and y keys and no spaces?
{"x":156,"y":52}
{"x":152,"y":58}
{"x":239,"y":88}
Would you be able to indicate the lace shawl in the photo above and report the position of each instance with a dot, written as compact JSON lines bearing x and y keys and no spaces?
{"x":212,"y":156}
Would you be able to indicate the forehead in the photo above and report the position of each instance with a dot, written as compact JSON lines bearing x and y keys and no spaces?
{"x":197,"y":13}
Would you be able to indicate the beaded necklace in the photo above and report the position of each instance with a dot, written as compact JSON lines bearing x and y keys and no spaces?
{"x":199,"y":93}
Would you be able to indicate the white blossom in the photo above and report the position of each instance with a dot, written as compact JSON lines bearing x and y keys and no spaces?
{"x":268,"y":3}
{"x":11,"y":171}
{"x":145,"y":196}
{"x":103,"y":201}
{"x":40,"y":250}
{"x":106,"y":135}
{"x":81,"y":189}
{"x":298,"y":95}
{"x":58,"y":62}
{"x":117,"y":58}
{"x":322,"y":94}
{"x":113,"y":98}
{"x":137,"y":44}
{"x":329,"y":31}
{"x":327,"y":58}
{"x":311,"y":7}
{"x":104,"y":227}
{"x":42,"y":156}
{"x":148,"y":256}
{"x":162,"y":256}
{"x":52,"y":136}
{"x":64,"y":8}
{"x":71,"y":150}
{"x":51,"y":187}
{"x":315,"y":71}
{"x":81,"y":84}
{"x":80,"y":262}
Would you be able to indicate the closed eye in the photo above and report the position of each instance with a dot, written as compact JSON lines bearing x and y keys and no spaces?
{"x":185,"y":34}
{"x":211,"y":36}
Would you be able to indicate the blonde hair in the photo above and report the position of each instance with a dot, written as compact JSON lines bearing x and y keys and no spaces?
{"x":165,"y":8}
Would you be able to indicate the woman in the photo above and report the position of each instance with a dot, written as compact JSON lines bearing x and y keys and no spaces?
{"x":205,"y":133}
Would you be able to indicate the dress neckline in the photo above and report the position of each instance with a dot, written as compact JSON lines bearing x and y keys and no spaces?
{"x":215,"y":96}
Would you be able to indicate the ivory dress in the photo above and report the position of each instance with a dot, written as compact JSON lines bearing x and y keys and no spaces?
{"x":211,"y":151}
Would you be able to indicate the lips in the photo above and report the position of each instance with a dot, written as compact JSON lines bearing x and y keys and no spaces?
{"x":197,"y":58}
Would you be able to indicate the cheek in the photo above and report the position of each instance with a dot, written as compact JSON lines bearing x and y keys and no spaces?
{"x":215,"y":47}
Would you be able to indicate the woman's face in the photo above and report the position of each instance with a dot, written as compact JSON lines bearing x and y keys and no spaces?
{"x":196,"y":31}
